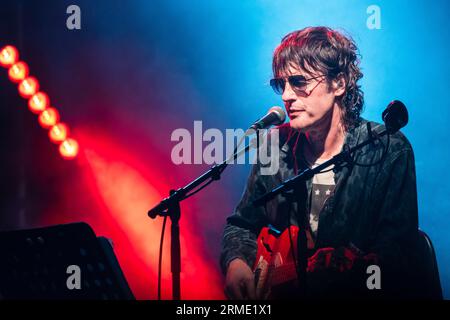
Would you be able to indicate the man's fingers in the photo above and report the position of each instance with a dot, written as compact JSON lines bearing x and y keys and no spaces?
{"x":250,"y":288}
{"x":234,"y":292}
{"x":239,"y":281}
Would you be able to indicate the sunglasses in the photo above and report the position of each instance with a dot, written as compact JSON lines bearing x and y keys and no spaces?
{"x":298,"y":83}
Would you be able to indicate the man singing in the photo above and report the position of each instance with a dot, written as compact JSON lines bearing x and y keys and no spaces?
{"x":360,"y":214}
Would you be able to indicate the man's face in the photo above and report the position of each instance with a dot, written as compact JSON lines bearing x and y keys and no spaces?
{"x":313,"y":106}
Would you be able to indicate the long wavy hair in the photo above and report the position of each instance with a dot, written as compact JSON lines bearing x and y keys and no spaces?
{"x":329,"y":52}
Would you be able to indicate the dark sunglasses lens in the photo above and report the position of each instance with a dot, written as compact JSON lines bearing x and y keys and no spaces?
{"x":298,"y":82}
{"x":277,"y":85}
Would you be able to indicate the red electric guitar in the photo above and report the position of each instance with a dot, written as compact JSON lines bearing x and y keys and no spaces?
{"x":275,"y":269}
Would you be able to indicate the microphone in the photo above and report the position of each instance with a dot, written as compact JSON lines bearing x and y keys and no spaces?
{"x":395,"y":116}
{"x":275,"y":116}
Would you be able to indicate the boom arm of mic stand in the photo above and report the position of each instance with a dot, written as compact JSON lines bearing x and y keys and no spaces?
{"x":181,"y":193}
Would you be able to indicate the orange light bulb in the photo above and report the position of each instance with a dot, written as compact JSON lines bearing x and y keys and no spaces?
{"x":8,"y":56}
{"x":69,"y":148}
{"x":28,"y":87}
{"x":48,"y":118}
{"x":58,"y":132}
{"x":18,"y":71}
{"x":38,"y":102}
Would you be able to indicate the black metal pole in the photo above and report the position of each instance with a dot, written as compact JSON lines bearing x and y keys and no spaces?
{"x":175,"y":252}
{"x":170,"y":206}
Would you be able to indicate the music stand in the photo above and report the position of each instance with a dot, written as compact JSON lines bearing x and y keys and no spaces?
{"x":34,"y":263}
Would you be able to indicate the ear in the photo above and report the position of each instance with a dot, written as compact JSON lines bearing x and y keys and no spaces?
{"x":339,"y":85}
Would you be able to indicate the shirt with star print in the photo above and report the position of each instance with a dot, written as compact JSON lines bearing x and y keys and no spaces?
{"x":322,"y":187}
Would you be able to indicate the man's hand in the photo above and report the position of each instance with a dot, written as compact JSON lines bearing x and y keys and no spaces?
{"x":240,"y":281}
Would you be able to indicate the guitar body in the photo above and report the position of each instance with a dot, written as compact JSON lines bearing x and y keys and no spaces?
{"x":275,"y":267}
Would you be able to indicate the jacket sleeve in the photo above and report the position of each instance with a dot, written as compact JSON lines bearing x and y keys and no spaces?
{"x":396,"y":226}
{"x":241,"y":230}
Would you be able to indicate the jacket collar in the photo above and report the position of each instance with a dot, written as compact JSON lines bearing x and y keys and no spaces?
{"x":291,"y":141}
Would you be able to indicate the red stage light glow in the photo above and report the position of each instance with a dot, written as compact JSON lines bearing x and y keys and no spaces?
{"x":58,"y":133}
{"x":125,"y":188}
{"x":69,"y":149}
{"x":48,"y":118}
{"x":18,"y":71}
{"x":38,"y":102}
{"x":28,"y":87}
{"x":8,"y":56}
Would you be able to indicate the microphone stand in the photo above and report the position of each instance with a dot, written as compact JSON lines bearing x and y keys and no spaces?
{"x":170,"y":207}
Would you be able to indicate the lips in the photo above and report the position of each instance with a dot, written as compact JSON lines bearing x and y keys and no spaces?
{"x":295,"y":113}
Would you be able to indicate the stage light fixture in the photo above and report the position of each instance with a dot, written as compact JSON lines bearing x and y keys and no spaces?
{"x":28,"y":87}
{"x":38,"y":102}
{"x":18,"y":71}
{"x":48,"y":118}
{"x":58,"y":132}
{"x":69,"y":149}
{"x":8,"y":56}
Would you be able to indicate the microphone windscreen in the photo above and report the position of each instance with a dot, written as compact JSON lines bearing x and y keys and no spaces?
{"x":395,"y":116}
{"x":280,"y":112}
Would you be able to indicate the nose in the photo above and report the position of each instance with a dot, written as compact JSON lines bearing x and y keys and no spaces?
{"x":288,"y":95}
